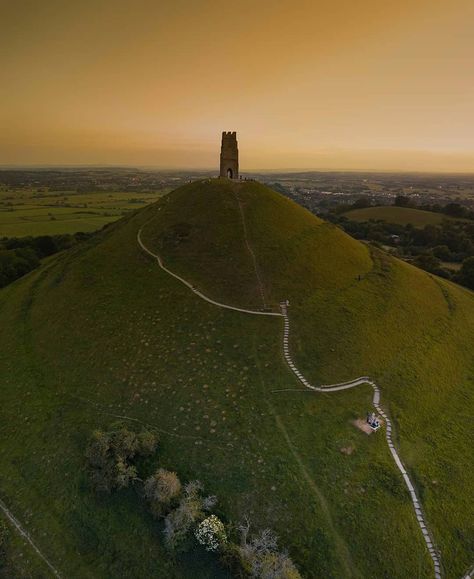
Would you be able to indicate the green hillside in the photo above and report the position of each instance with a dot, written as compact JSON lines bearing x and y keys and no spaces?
{"x":199,"y":232}
{"x":397,"y":215}
{"x":101,"y":331}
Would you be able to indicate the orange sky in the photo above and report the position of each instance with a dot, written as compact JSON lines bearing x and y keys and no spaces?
{"x":320,"y":84}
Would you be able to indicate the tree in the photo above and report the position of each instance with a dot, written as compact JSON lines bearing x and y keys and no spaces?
{"x":466,"y":273}
{"x":147,"y":443}
{"x":361,"y":203}
{"x":402,"y":201}
{"x":210,"y":533}
{"x":98,"y":451}
{"x":178,"y":523}
{"x":429,"y":235}
{"x":428,"y":262}
{"x":45,"y":245}
{"x":442,"y":252}
{"x":101,"y":462}
{"x":124,"y":443}
{"x":161,"y":489}
{"x":276,"y":565}
{"x":124,"y":474}
{"x":15,"y":263}
{"x":191,"y":509}
{"x":261,"y":558}
{"x":109,"y":457}
{"x":455,"y":210}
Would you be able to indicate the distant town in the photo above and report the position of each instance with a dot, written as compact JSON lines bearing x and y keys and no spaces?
{"x":318,"y":191}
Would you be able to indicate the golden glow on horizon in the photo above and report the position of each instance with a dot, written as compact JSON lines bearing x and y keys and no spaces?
{"x":321,"y":84}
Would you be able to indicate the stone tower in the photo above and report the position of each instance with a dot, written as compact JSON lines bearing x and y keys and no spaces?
{"x":229,"y":156}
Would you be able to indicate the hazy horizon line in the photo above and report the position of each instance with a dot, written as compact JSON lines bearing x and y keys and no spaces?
{"x":289,"y":170}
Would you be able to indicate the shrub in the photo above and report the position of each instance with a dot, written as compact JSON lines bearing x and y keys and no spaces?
{"x":231,"y":558}
{"x":19,"y":256}
{"x":109,"y":457}
{"x":277,"y":566}
{"x":161,"y":489}
{"x":124,"y":443}
{"x":210,"y":533}
{"x":467,"y":272}
{"x":98,"y":451}
{"x":124,"y":474}
{"x":260,"y":557}
{"x":147,"y":443}
{"x":178,"y":524}
{"x":15,"y":263}
{"x":191,"y":510}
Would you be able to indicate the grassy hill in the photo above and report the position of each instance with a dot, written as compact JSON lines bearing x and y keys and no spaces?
{"x":100,"y":331}
{"x":397,"y":215}
{"x":199,"y":232}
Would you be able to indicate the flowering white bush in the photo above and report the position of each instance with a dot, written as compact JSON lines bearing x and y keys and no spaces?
{"x":211,"y":533}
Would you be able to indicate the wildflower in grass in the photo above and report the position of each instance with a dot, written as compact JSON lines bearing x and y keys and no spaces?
{"x":210,"y":533}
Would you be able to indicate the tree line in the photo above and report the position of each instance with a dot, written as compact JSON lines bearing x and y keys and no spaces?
{"x":449,"y":209}
{"x":20,"y":255}
{"x":430,"y":247}
{"x":186,"y":515}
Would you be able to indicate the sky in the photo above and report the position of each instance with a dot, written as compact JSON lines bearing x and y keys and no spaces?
{"x":319,"y":84}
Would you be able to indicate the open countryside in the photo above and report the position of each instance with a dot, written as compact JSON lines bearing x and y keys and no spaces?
{"x":33,"y":213}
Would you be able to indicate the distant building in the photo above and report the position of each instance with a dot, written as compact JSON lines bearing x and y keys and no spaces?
{"x":229,"y":156}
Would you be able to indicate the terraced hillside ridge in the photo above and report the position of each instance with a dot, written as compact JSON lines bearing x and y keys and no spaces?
{"x":101,"y":332}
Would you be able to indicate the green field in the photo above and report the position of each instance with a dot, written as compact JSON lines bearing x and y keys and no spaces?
{"x":30,"y":212}
{"x":398,"y":215}
{"x":100,"y":330}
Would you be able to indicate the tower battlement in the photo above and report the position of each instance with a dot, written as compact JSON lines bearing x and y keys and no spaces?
{"x":229,"y":155}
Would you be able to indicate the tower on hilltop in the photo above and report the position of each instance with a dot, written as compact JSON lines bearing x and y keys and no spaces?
{"x":229,"y":156}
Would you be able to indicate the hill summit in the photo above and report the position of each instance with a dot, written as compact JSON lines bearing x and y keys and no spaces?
{"x":248,"y":245}
{"x":101,"y":333}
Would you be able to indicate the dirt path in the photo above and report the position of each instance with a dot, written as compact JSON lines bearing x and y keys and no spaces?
{"x":341,"y":546}
{"x":434,"y":554}
{"x":251,"y":251}
{"x":19,"y":528}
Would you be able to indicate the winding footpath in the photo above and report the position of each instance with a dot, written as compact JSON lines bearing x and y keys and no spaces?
{"x":194,"y":289}
{"x":388,"y":435}
{"x":434,"y":554}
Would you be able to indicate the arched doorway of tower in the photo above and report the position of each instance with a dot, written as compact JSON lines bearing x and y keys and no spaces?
{"x":229,"y":174}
